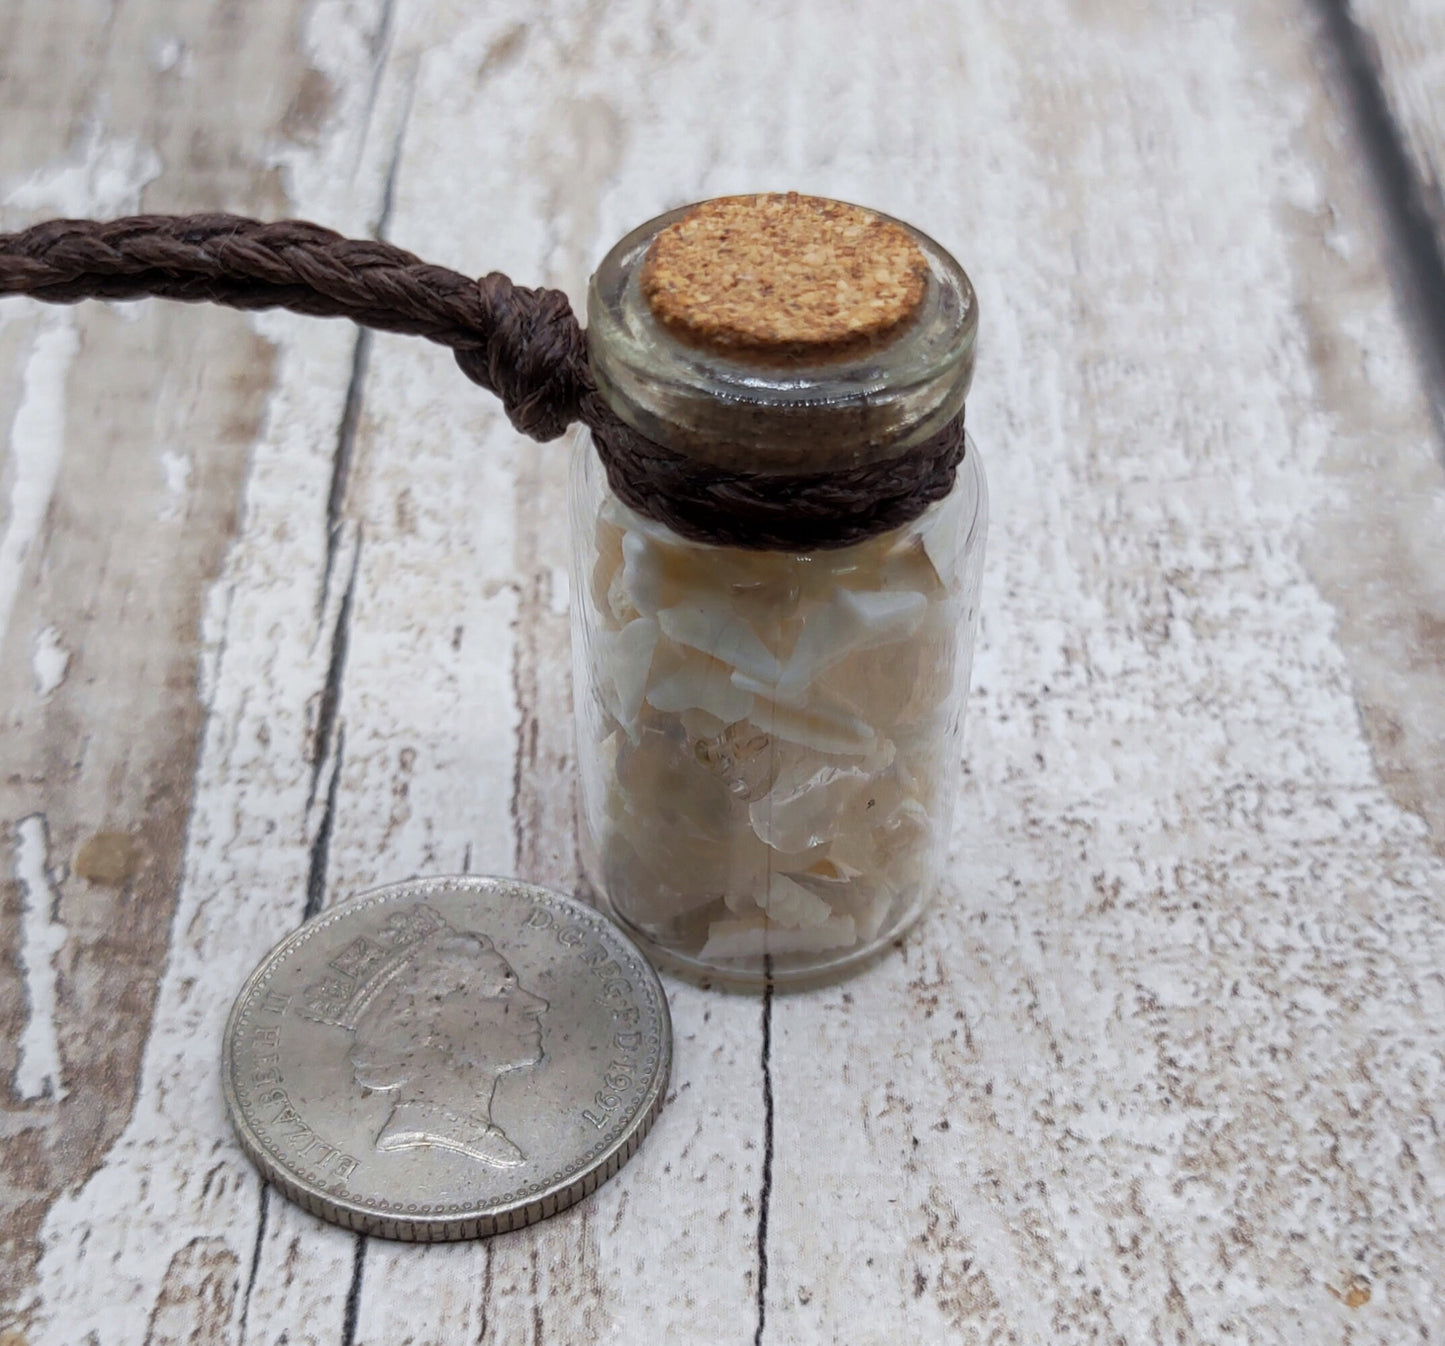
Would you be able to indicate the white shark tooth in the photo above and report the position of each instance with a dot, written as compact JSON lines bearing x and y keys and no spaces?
{"x":619,"y":603}
{"x":642,"y":571}
{"x":822,"y":726}
{"x":606,"y":566}
{"x":867,"y":901}
{"x":630,"y":661}
{"x":785,"y":901}
{"x":853,"y":620}
{"x":659,"y":572}
{"x":661,"y":888}
{"x":884,"y":832}
{"x":613,"y":511}
{"x":942,"y":539}
{"x":684,"y":679}
{"x":909,"y":567}
{"x":792,"y":905}
{"x":713,"y":627}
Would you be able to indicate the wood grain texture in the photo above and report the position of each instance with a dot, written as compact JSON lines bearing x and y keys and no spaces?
{"x":1379,"y":61}
{"x":126,"y":437}
{"x":1408,"y":37}
{"x":1166,"y":1062}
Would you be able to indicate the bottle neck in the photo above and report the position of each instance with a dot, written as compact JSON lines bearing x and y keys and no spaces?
{"x":778,"y":412}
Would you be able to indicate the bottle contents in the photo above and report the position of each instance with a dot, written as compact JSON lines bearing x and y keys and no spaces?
{"x":769,"y":739}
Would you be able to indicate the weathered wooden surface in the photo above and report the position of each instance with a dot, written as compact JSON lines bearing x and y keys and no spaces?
{"x":1408,"y":38}
{"x":127,"y":435}
{"x":1387,"y":65}
{"x":288,"y":611}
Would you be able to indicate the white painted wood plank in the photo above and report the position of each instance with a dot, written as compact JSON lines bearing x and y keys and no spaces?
{"x":1165,"y":1063}
{"x":103,"y":710}
{"x":832,"y":1147}
{"x":174,"y":1172}
{"x":174,"y":1183}
{"x":1164,"y":1012}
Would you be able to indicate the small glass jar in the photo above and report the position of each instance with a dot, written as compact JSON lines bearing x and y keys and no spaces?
{"x":768,"y":740}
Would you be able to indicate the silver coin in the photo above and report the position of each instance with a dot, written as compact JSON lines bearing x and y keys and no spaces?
{"x":447,"y":1058}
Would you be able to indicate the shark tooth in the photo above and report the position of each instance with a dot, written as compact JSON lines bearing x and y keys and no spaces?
{"x":790,"y":904}
{"x":684,"y":679}
{"x":941,"y":538}
{"x":786,"y":902}
{"x":642,"y":571}
{"x":713,"y":627}
{"x":897,"y":686}
{"x":909,"y":566}
{"x":651,"y":892}
{"x":688,"y":831}
{"x":854,"y":620}
{"x":628,"y":659}
{"x":820,"y":725}
{"x":606,"y":567}
{"x":869,"y":902}
{"x":884,"y":832}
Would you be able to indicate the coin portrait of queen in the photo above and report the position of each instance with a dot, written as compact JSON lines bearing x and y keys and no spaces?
{"x":437,"y":1019}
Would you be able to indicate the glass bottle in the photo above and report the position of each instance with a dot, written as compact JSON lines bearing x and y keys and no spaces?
{"x":768,"y":740}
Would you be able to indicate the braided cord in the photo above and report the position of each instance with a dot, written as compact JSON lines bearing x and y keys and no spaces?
{"x":524,"y":345}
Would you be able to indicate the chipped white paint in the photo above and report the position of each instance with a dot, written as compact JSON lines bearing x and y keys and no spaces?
{"x":103,"y":177}
{"x":49,"y":660}
{"x":37,"y":440}
{"x":559,"y":592}
{"x":176,"y":469}
{"x":1165,"y":1065}
{"x":166,"y":53}
{"x":38,"y":1071}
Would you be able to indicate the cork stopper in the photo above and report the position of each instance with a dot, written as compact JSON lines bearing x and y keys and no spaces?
{"x":783,"y":274}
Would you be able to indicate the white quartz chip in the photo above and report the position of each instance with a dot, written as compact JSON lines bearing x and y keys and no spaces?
{"x":756,"y":936}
